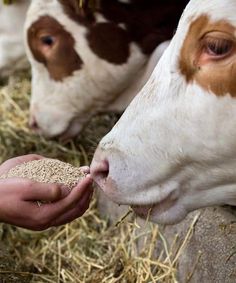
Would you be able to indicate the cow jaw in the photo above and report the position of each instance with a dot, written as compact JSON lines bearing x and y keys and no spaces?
{"x":181,"y":128}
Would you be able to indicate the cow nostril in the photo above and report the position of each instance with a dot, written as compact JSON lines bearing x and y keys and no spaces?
{"x":101,"y":171}
{"x":33,"y":124}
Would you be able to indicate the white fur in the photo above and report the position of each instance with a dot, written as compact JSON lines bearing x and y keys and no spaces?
{"x":12,"y":53}
{"x":174,"y":149}
{"x":97,"y":87}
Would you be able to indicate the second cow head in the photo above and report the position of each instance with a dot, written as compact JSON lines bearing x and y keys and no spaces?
{"x":93,"y":58}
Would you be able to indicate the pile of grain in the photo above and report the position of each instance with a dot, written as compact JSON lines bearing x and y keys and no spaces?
{"x":47,"y":171}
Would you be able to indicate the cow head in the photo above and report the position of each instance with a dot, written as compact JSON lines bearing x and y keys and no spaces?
{"x":84,"y":58}
{"x":174,"y":149}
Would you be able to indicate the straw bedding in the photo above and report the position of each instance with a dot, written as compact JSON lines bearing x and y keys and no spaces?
{"x":88,"y":250}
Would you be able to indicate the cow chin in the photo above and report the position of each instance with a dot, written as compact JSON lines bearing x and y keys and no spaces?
{"x":73,"y":130}
{"x":63,"y":131}
{"x":165,"y":212}
{"x":162,"y":208}
{"x":168,"y":210}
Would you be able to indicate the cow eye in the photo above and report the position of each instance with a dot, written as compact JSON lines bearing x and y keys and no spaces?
{"x":47,"y":40}
{"x":219,"y":47}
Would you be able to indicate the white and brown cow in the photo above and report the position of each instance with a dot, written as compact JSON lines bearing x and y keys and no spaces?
{"x":92,"y":59}
{"x":174,"y":149}
{"x":12,"y":52}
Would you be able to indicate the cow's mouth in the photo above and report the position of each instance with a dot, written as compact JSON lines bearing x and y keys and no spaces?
{"x":74,"y":128}
{"x":143,"y":203}
{"x":146,"y":211}
{"x":72,"y":131}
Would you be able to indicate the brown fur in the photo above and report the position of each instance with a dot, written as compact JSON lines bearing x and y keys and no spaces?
{"x":109,"y":42}
{"x":147,"y":22}
{"x":63,"y":60}
{"x":218,"y":75}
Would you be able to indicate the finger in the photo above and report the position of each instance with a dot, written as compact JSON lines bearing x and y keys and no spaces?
{"x":22,"y":215}
{"x":45,"y":192}
{"x":29,"y":190}
{"x":60,"y":207}
{"x":84,"y":183}
{"x":29,"y":157}
{"x":24,"y":158}
{"x":86,"y":197}
{"x":9,"y":164}
{"x":35,"y":218}
{"x":77,"y":193}
{"x":76,"y":211}
{"x":85,"y":169}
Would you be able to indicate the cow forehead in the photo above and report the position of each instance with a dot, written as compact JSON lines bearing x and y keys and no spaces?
{"x":215,"y":10}
{"x":52,"y":8}
{"x":148,"y":23}
{"x":199,"y":18}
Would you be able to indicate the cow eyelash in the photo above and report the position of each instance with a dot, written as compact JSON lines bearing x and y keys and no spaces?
{"x":218,"y":47}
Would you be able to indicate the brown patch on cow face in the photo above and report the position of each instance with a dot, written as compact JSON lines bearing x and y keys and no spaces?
{"x":208,"y":56}
{"x":109,"y":42}
{"x":53,"y":46}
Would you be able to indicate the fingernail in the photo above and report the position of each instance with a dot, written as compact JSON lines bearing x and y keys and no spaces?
{"x":85,"y":169}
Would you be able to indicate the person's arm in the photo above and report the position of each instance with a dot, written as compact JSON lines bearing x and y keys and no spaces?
{"x":18,"y":198}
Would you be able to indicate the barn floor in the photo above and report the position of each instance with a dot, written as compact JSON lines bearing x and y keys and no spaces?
{"x":88,"y":250}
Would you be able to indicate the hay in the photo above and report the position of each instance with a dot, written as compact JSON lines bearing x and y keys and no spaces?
{"x":88,"y":250}
{"x":8,"y":2}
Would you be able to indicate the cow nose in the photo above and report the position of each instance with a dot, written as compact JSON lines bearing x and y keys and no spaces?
{"x":33,"y":123}
{"x":100,"y":171}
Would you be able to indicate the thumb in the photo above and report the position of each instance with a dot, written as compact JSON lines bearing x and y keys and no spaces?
{"x":29,"y":190}
{"x":45,"y":192}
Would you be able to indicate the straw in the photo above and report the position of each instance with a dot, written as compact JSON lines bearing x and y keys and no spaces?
{"x":88,"y":250}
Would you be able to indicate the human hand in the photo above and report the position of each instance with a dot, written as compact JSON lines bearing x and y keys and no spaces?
{"x":18,"y":196}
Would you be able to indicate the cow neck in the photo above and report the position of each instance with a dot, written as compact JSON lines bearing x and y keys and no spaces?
{"x":124,"y":98}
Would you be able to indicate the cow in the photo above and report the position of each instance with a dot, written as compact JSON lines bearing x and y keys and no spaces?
{"x":92,"y":58}
{"x":12,"y":51}
{"x":174,"y":149}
